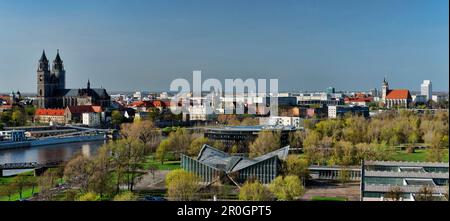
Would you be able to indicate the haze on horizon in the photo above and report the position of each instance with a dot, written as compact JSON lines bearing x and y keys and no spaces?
{"x":306,"y":44}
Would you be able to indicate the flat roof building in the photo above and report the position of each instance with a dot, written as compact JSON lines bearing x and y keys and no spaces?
{"x":380,"y":177}
{"x":242,"y":136}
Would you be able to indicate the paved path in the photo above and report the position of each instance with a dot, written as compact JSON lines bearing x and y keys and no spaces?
{"x":350,"y":191}
{"x":150,"y":182}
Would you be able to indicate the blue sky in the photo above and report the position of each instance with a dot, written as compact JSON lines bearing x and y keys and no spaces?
{"x":307,"y":45}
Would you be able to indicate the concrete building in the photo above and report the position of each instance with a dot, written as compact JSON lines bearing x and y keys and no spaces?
{"x":341,"y":110}
{"x":330,"y":90}
{"x":91,"y":119}
{"x":318,"y":98}
{"x":380,"y":177}
{"x":242,"y":136}
{"x":438,"y":98}
{"x":426,"y":89}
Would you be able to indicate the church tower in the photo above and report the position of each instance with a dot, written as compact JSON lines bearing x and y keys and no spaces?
{"x":384,"y":90}
{"x":59,"y":72}
{"x":44,"y":89}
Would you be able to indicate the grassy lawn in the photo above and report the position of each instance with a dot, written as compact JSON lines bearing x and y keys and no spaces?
{"x":25,"y":194}
{"x":418,"y":155}
{"x":14,"y":197}
{"x":168,"y":165}
{"x":323,"y":198}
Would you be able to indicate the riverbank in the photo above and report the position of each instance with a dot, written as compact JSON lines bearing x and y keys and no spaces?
{"x":51,"y":141}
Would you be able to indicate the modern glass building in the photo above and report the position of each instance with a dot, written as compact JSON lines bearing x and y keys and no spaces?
{"x":213,"y":165}
{"x":379,"y":177}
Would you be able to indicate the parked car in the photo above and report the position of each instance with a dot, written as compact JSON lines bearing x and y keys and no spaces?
{"x":154,"y":198}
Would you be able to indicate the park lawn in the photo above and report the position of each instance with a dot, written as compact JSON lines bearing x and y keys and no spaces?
{"x":25,"y":194}
{"x":168,"y":165}
{"x":323,"y":198}
{"x":417,"y":156}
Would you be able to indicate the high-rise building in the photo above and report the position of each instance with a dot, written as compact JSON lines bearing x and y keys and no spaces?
{"x":330,"y":90}
{"x":426,"y":89}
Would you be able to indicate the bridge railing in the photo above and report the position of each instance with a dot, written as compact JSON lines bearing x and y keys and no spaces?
{"x":29,"y":165}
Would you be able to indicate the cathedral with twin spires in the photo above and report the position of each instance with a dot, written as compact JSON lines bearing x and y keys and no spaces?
{"x":52,"y":92}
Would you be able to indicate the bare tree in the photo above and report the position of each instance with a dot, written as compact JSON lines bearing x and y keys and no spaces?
{"x":395,"y":193}
{"x":425,"y":194}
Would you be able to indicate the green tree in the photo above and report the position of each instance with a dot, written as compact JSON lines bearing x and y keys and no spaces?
{"x":5,"y":117}
{"x":197,"y":145}
{"x":89,"y":196}
{"x":100,"y":181}
{"x":7,"y":190}
{"x":78,"y":171}
{"x":344,"y":153}
{"x":297,"y":166}
{"x":267,"y":141}
{"x":296,"y":139}
{"x":126,"y":196}
{"x":20,"y":182}
{"x":344,"y":176}
{"x":145,"y":131}
{"x":131,"y":154}
{"x":182,"y":185}
{"x":162,"y":151}
{"x":287,"y":188}
{"x":180,"y":141}
{"x":254,"y":191}
{"x":33,"y":182}
{"x":116,"y":117}
{"x":18,"y":118}
{"x":46,"y":182}
{"x":234,"y":149}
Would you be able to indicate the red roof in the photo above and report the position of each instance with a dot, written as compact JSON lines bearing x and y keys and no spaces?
{"x":358,"y":99}
{"x":8,"y":106}
{"x":141,"y":104}
{"x":398,"y":94}
{"x":85,"y":109}
{"x":51,"y":112}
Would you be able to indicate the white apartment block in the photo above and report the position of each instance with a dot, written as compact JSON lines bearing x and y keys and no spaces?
{"x":91,"y":119}
{"x":426,"y":89}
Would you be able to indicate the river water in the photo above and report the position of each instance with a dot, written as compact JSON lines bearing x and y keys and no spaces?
{"x":48,"y":153}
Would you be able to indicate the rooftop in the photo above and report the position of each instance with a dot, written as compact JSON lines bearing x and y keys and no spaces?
{"x":228,"y":163}
{"x":398,"y":94}
{"x":252,"y":128}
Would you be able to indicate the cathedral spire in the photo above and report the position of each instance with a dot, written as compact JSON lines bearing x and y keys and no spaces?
{"x":43,"y":62}
{"x":58,"y":63}
{"x":43,"y":57}
{"x":58,"y":58}
{"x":88,"y":84}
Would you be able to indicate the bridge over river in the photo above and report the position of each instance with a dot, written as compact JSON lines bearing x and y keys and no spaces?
{"x":38,"y":168}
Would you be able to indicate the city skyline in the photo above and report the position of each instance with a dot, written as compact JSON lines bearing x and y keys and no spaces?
{"x":349,"y":46}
